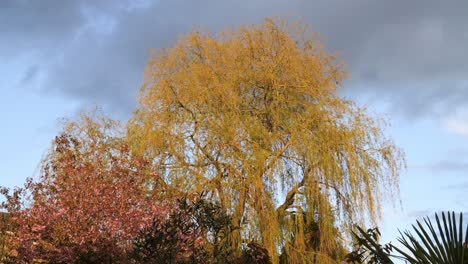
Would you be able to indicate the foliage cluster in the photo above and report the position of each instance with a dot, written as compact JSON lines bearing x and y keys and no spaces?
{"x":439,"y":240}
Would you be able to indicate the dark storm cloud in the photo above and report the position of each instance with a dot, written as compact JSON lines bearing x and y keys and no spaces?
{"x":32,"y":25}
{"x":396,"y":50}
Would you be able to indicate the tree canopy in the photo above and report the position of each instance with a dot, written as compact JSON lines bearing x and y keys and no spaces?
{"x":252,"y":118}
{"x":89,"y":201}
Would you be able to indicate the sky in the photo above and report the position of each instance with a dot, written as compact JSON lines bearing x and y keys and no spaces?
{"x":408,"y":62}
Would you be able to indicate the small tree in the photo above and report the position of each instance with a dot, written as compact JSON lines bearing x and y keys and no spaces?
{"x":89,"y":201}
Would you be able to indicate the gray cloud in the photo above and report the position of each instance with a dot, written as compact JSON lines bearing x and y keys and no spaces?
{"x":411,"y":53}
{"x":419,"y":214}
{"x":28,"y":26}
{"x":447,"y":166}
{"x":459,"y":187}
{"x":30,"y":74}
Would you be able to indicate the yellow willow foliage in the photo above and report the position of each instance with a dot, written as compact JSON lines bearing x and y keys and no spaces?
{"x":251,"y":117}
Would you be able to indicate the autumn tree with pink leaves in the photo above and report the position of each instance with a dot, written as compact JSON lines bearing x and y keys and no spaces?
{"x":90,"y":200}
{"x":95,"y":201}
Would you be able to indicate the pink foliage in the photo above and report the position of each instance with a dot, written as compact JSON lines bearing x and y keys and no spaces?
{"x":91,"y":198}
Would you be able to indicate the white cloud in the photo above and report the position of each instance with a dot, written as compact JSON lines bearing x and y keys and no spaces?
{"x":457,"y":126}
{"x":458,"y":123}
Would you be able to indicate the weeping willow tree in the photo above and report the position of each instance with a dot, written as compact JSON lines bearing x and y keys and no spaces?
{"x":251,"y":117}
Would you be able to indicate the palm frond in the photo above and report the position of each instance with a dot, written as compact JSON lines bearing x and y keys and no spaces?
{"x":445,"y":245}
